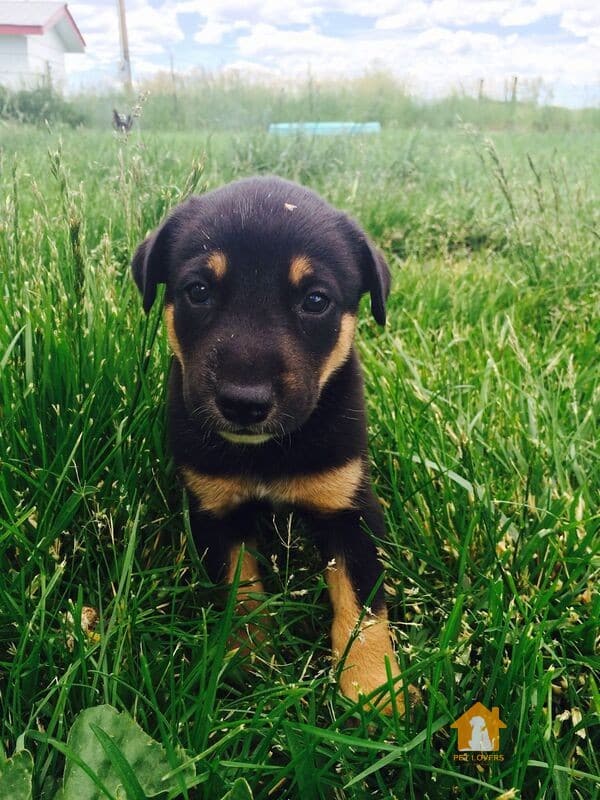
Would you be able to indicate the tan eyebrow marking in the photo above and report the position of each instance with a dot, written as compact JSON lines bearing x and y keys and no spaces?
{"x":217,"y":263}
{"x":300,"y":268}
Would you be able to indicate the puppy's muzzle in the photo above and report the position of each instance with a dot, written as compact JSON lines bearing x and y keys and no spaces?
{"x":244,"y":404}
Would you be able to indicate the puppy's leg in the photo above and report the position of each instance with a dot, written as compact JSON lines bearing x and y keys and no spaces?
{"x":360,"y":633}
{"x":219,"y":541}
{"x":250,"y":592}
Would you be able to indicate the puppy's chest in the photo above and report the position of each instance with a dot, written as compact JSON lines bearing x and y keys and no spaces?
{"x":328,"y":491}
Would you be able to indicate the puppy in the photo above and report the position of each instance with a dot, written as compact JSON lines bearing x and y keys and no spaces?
{"x":263,"y":280}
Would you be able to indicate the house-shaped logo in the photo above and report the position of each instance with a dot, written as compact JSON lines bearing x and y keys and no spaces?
{"x":479,"y":729}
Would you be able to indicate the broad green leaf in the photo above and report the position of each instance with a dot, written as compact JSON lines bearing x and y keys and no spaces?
{"x":15,"y":776}
{"x":128,"y":762}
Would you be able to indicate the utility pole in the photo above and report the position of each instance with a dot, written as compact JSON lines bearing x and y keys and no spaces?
{"x":173,"y":82}
{"x":513,"y":94}
{"x":124,"y":47}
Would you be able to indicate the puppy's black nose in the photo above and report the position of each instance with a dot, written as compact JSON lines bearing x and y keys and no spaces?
{"x":244,"y":404}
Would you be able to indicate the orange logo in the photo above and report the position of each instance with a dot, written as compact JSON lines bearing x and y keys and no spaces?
{"x":479,"y":729}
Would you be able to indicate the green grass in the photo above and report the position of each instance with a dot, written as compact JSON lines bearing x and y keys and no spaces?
{"x":208,"y":102}
{"x":483,"y":397}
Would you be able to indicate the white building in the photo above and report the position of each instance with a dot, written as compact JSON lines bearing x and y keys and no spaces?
{"x":34,"y":36}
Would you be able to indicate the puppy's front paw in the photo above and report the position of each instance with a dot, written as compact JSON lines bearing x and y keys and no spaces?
{"x":364,"y":669}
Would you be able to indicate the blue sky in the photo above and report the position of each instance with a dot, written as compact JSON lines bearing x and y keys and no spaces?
{"x":433,"y":46}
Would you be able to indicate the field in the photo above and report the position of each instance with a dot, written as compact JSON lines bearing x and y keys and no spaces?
{"x":484,"y":403}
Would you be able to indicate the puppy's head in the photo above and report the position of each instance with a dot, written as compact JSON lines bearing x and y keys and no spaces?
{"x":263,"y":280}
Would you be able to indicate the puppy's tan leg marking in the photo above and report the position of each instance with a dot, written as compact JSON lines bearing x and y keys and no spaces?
{"x":249,"y":585}
{"x":171,"y":335}
{"x":299,"y":268}
{"x":364,"y":668}
{"x":250,"y":582}
{"x":341,"y":350}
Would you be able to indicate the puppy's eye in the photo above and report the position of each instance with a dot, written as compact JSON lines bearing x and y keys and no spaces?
{"x":198,"y":293}
{"x":315,"y":303}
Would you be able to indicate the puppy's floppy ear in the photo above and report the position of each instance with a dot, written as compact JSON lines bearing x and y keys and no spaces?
{"x":150,"y":262}
{"x":377,"y":277}
{"x":375,"y":271}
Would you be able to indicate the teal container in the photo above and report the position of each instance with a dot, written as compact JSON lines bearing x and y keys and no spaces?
{"x":324,"y":128}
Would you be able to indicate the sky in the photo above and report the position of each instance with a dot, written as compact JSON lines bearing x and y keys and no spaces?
{"x":433,"y":46}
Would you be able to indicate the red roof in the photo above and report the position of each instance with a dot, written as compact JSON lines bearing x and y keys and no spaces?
{"x":19,"y":18}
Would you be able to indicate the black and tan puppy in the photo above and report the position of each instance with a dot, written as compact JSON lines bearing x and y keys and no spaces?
{"x":263,"y":280}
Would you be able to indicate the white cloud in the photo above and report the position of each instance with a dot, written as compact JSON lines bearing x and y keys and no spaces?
{"x":413,"y":15}
{"x":253,"y":11}
{"x":585,"y":23}
{"x":211,"y":33}
{"x":152,"y":32}
{"x":433,"y":61}
{"x":417,"y":14}
{"x":144,"y":23}
{"x":457,"y":13}
{"x":449,"y":42}
{"x":430,"y":43}
{"x":265,"y":39}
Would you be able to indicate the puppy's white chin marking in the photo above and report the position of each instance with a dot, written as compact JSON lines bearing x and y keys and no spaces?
{"x":245,"y":438}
